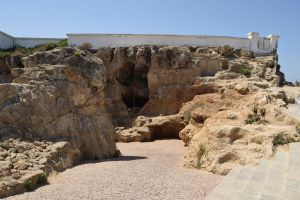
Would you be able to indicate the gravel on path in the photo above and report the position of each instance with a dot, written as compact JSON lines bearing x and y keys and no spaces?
{"x":151,"y":170}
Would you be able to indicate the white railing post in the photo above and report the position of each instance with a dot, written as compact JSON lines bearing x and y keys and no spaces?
{"x":253,"y":36}
{"x":273,"y":42}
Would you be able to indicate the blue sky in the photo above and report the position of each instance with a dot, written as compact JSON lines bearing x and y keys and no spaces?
{"x":55,"y":18}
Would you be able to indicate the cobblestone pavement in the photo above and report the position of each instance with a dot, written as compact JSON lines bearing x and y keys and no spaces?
{"x":149,"y":170}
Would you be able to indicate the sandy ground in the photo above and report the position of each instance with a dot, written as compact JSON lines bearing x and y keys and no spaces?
{"x":145,"y":171}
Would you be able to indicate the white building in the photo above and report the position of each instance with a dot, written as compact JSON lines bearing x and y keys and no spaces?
{"x":252,"y":42}
{"x":8,"y":41}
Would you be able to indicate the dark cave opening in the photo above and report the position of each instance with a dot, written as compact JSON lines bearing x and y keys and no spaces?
{"x":161,"y":133}
{"x":134,"y":84}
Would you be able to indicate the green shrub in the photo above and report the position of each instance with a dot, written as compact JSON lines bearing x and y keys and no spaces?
{"x":38,"y":48}
{"x":63,"y":43}
{"x":45,"y":47}
{"x":77,"y":53}
{"x":43,"y":179}
{"x":4,"y":53}
{"x":255,"y":117}
{"x":200,"y":155}
{"x":251,"y":118}
{"x":257,"y":140}
{"x":281,"y":139}
{"x":85,"y":46}
{"x":28,"y":185}
{"x":245,"y":71}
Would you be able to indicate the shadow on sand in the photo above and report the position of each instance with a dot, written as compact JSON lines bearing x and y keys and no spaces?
{"x":120,"y":158}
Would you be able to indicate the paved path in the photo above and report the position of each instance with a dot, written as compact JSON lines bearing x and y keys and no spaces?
{"x":294,"y":113}
{"x":277,"y":179}
{"x":145,"y":171}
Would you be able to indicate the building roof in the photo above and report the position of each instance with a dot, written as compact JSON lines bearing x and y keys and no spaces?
{"x":6,"y":35}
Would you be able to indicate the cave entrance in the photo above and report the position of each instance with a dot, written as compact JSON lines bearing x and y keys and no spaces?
{"x":134,"y":85}
{"x":162,"y":133}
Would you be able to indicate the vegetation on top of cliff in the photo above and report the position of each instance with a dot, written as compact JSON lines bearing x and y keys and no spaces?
{"x":281,"y":139}
{"x":85,"y":46}
{"x":200,"y":154}
{"x":28,"y":185}
{"x":43,"y":178}
{"x":245,"y":71}
{"x":28,"y":51}
{"x":258,"y":115}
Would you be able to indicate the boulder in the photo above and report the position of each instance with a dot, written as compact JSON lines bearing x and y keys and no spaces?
{"x":226,"y":51}
{"x":148,"y":129}
{"x":59,"y":95}
{"x":242,"y":89}
{"x":244,"y":53}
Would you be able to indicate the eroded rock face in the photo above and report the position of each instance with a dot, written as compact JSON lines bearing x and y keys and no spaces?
{"x":22,"y":161}
{"x":158,"y":79}
{"x":148,"y":129}
{"x":6,"y":64}
{"x":218,"y":135}
{"x":199,"y":95}
{"x":52,"y":116}
{"x":59,"y":95}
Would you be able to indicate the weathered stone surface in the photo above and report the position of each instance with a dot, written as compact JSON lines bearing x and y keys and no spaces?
{"x":59,"y":95}
{"x":226,"y":51}
{"x":147,"y":76}
{"x":71,"y":98}
{"x":36,"y":158}
{"x":225,"y":137}
{"x":244,"y":53}
{"x":6,"y":64}
{"x":148,"y":129}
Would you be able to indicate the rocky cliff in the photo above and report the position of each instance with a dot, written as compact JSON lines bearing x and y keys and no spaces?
{"x":57,"y":97}
{"x":61,"y":106}
{"x":158,"y":79}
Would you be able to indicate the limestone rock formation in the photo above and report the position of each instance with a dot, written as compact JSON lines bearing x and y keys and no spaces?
{"x":215,"y":126}
{"x":61,"y":106}
{"x":27,"y":161}
{"x":58,"y":96}
{"x":219,"y":135}
{"x":158,"y":79}
{"x":6,"y":64}
{"x":147,"y":129}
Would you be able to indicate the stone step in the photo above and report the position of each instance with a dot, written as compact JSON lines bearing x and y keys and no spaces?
{"x":294,"y":149}
{"x":277,"y":179}
{"x":232,"y":185}
{"x":292,"y":190}
{"x":222,"y":190}
{"x":255,"y":185}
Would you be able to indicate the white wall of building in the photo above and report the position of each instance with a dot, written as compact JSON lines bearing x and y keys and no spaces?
{"x":32,"y":42}
{"x":6,"y":41}
{"x":253,"y":42}
{"x":116,"y":40}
